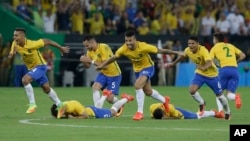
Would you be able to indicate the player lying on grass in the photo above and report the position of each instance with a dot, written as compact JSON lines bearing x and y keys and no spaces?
{"x":158,"y":111}
{"x":74,"y":109}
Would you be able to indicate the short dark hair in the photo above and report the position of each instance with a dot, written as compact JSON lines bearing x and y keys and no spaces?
{"x":219,"y":36}
{"x":54,"y":110}
{"x":88,"y":37}
{"x":129,"y":33}
{"x":20,"y":29}
{"x":158,"y":113}
{"x":193,"y":37}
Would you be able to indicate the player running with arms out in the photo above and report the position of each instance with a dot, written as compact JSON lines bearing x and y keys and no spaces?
{"x":108,"y":78}
{"x":227,"y":55}
{"x":158,"y":111}
{"x":143,"y":66}
{"x":206,"y":72}
{"x":74,"y":109}
{"x":28,"y":49}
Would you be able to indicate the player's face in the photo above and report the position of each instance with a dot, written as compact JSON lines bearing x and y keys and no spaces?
{"x":193,"y":45}
{"x":130,"y":42}
{"x":19,"y":37}
{"x":90,"y":45}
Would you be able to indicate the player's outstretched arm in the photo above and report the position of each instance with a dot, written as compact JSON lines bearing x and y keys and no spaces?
{"x":179,"y":59}
{"x":63,"y":49}
{"x":165,"y":51}
{"x":107,"y":62}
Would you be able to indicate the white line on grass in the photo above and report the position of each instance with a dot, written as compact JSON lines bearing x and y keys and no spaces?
{"x":33,"y":122}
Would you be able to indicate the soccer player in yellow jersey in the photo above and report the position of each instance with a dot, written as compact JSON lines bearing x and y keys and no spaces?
{"x":157,"y":111}
{"x":28,"y":49}
{"x":143,"y":66}
{"x":108,"y":78}
{"x":227,"y":56}
{"x":74,"y":109}
{"x":206,"y":72}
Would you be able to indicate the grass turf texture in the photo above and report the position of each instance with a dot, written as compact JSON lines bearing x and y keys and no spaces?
{"x":15,"y":125}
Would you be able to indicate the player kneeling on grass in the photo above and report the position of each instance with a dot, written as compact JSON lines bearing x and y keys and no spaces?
{"x":158,"y":111}
{"x":74,"y":109}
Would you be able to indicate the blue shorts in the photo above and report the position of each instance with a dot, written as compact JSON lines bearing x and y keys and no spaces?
{"x":101,"y":112}
{"x":229,"y":77}
{"x":187,"y":114}
{"x":149,"y":72}
{"x":39,"y":74}
{"x":212,"y":82}
{"x":110,"y":83}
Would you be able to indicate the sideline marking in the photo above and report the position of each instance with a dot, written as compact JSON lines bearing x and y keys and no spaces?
{"x":33,"y":122}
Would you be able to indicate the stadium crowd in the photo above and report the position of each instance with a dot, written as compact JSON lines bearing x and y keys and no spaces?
{"x":156,"y":17}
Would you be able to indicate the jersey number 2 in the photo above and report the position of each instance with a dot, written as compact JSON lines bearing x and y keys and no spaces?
{"x":227,"y":52}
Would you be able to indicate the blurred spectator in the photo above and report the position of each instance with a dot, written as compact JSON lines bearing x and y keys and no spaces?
{"x":110,"y":27}
{"x":77,"y":18}
{"x":5,"y":65}
{"x":207,"y":24}
{"x":20,"y":70}
{"x":149,"y":8}
{"x":49,"y":21}
{"x":143,"y":29}
{"x":37,"y":13}
{"x":195,"y":26}
{"x":166,"y":74}
{"x":124,"y":24}
{"x":155,"y":27}
{"x":236,"y":20}
{"x":96,"y":24}
{"x":172,"y":22}
{"x":139,"y":20}
{"x":63,"y":16}
{"x":222,"y":25}
{"x":49,"y":57}
{"x":131,"y":11}
{"x":24,"y":12}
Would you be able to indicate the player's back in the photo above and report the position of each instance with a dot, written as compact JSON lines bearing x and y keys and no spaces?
{"x":225,"y":53}
{"x":102,"y":53}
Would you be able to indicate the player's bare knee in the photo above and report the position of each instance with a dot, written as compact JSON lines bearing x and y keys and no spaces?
{"x":137,"y":86}
{"x":192,"y":91}
{"x":148,"y":92}
{"x":46,"y":88}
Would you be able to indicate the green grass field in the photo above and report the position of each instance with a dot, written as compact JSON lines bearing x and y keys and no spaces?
{"x":15,"y":125}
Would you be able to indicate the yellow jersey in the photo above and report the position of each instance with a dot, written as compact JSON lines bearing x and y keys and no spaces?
{"x":75,"y":108}
{"x":30,"y":52}
{"x":200,"y":58}
{"x":225,"y":53}
{"x":139,"y":57}
{"x":173,"y":113}
{"x":102,"y":53}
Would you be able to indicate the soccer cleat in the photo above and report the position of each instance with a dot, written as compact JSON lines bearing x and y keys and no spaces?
{"x":119,"y":112}
{"x":138,"y":116}
{"x":202,"y":108}
{"x":129,"y":97}
{"x":227,"y":116}
{"x":219,"y":114}
{"x":166,"y":103}
{"x":60,"y":109}
{"x":237,"y":101}
{"x":31,"y":109}
{"x":106,"y":92}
